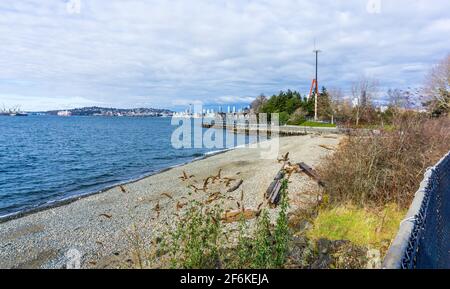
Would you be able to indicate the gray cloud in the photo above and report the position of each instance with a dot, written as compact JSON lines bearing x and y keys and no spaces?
{"x":164,"y":53}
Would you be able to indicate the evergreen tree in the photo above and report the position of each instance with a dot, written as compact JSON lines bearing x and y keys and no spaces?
{"x":324,"y":106}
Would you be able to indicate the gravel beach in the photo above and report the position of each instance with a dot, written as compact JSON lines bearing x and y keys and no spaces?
{"x":100,"y":227}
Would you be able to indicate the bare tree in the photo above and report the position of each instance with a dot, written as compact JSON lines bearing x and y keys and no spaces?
{"x":363,"y":91}
{"x":399,"y":99}
{"x":257,"y":104}
{"x":337,"y":101}
{"x":437,"y":87}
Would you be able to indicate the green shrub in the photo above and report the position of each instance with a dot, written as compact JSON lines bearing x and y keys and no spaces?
{"x":195,"y":241}
{"x":283,"y":117}
{"x":282,"y":233}
{"x":244,"y":247}
{"x":271,"y":246}
{"x":198,"y":239}
{"x":262,"y":255}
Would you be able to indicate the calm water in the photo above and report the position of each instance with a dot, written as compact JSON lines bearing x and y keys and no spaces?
{"x":47,"y":158}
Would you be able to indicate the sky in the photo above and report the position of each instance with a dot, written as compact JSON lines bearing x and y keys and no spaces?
{"x":59,"y":54}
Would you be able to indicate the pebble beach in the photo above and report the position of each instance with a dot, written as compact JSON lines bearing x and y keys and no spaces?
{"x":100,"y":227}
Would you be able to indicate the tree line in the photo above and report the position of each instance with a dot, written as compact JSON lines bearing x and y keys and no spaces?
{"x":358,"y":108}
{"x":293,"y":108}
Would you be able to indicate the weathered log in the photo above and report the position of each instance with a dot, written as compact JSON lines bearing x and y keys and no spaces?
{"x":311,"y":172}
{"x":272,"y":185}
{"x":275,"y":196}
{"x":235,"y":215}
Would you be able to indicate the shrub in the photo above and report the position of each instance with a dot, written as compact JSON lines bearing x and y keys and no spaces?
{"x":282,"y":235}
{"x":266,"y":248}
{"x":200,"y":239}
{"x":388,"y":166}
{"x":298,"y":117}
{"x":283,"y":117}
{"x":244,"y":247}
{"x":262,"y":254}
{"x":195,"y":242}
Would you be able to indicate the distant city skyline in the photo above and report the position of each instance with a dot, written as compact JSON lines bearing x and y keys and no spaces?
{"x":63,"y":54}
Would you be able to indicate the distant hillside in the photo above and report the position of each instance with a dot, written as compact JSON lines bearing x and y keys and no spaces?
{"x":103,"y":111}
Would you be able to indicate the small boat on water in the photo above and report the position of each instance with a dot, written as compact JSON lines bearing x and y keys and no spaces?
{"x":19,"y":114}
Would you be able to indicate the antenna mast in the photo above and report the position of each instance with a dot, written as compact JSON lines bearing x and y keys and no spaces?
{"x":315,"y":81}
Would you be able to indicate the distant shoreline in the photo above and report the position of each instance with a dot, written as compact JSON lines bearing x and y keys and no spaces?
{"x":94,"y":111}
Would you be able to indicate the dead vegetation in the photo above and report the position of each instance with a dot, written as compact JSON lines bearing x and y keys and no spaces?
{"x":369,"y":182}
{"x":213,"y":227}
{"x":386,"y":167}
{"x":204,"y":236}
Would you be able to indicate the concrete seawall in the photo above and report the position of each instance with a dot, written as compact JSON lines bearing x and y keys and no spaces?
{"x":286,"y":130}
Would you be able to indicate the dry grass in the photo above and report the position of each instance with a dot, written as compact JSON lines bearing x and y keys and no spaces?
{"x":387,"y":167}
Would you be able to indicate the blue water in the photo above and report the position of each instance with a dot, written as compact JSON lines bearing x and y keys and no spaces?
{"x":44,"y":159}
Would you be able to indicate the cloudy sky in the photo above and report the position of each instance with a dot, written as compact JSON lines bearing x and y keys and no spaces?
{"x":70,"y":53}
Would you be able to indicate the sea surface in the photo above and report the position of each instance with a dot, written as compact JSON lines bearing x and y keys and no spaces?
{"x":47,"y":159}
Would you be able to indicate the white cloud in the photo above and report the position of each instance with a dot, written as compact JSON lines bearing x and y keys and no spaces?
{"x":163,"y":53}
{"x":234,"y":99}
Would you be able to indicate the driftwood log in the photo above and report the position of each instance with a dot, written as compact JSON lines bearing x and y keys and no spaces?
{"x":235,"y":215}
{"x":311,"y":173}
{"x":273,"y":191}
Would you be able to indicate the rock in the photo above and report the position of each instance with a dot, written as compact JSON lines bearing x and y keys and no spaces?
{"x":300,"y":226}
{"x":373,"y":259}
{"x":300,"y":241}
{"x":323,"y":245}
{"x":305,"y":225}
{"x":347,"y":255}
{"x":301,"y":253}
{"x":323,"y":262}
{"x":340,"y":254}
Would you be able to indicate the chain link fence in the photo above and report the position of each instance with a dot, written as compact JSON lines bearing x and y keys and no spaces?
{"x":423,"y":239}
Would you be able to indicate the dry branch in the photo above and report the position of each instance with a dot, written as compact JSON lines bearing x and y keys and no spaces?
{"x":235,"y":187}
{"x":235,"y":215}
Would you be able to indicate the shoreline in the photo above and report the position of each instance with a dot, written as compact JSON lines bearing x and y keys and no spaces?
{"x":99,"y":226}
{"x":70,"y":199}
